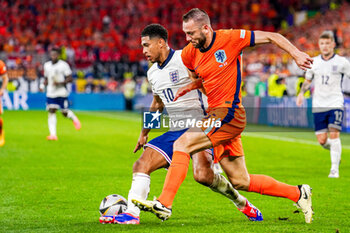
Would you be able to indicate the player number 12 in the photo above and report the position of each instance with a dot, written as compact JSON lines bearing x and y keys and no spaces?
{"x":325,"y":79}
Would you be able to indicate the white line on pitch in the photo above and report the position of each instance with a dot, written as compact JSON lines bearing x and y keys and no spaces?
{"x":286,"y":139}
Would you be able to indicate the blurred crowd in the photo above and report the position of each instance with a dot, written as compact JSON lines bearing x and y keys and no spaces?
{"x":100,"y":39}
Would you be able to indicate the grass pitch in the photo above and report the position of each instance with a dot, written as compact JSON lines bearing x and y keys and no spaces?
{"x":57,"y":186}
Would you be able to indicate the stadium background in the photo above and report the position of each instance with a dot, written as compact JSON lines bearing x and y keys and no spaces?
{"x":57,"y":186}
{"x":106,"y":57}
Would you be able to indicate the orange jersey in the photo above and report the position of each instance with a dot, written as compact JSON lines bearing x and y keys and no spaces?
{"x":2,"y":68}
{"x":220,"y":66}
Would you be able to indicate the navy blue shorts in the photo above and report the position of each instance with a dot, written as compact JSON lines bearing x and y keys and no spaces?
{"x":56,"y":103}
{"x":164,"y":144}
{"x":329,"y":119}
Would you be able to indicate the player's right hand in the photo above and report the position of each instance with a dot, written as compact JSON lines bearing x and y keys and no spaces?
{"x":303,"y":60}
{"x":141,"y":142}
{"x":300,"y":100}
{"x":182,"y":91}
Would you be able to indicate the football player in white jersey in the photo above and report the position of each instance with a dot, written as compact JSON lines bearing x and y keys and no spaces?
{"x":57,"y":75}
{"x":166,"y":76}
{"x":3,"y":80}
{"x":327,"y":72}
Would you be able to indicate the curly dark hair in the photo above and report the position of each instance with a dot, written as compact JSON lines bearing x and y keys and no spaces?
{"x":155,"y":30}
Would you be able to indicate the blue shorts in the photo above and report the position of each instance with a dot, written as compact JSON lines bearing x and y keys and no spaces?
{"x":330,"y":119}
{"x":164,"y":144}
{"x":56,"y":103}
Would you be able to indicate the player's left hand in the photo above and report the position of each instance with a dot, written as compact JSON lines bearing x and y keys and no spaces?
{"x":141,"y":142}
{"x":1,"y":93}
{"x":303,"y":60}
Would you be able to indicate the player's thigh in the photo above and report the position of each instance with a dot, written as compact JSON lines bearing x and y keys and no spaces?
{"x":321,"y":137}
{"x":149,"y":161}
{"x":192,"y":141}
{"x":236,"y":171}
{"x":202,"y":167}
{"x":64,"y":112}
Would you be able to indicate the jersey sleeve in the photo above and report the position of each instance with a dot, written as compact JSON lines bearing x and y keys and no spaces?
{"x":309,"y":74}
{"x":242,"y":38}
{"x":45,"y":71}
{"x":186,"y":56}
{"x":150,"y":82}
{"x":67,"y":70}
{"x":3,"y":69}
{"x":346,"y":68}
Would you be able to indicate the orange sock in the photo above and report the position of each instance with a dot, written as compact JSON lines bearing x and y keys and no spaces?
{"x":266,"y":185}
{"x":176,"y":175}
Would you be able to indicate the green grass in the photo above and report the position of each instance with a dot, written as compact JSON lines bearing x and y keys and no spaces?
{"x":57,"y":186}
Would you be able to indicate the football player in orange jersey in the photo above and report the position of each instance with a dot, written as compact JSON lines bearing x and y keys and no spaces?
{"x":215,"y":57}
{"x":4,"y":77}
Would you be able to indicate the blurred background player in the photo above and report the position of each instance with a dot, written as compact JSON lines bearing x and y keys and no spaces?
{"x":57,"y":75}
{"x":4,"y":78}
{"x":158,"y":152}
{"x":327,"y":72}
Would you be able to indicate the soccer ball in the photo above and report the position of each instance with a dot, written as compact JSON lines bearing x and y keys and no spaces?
{"x":113,"y":205}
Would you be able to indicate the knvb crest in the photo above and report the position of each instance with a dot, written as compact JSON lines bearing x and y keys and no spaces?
{"x":174,"y":76}
{"x":220,"y":56}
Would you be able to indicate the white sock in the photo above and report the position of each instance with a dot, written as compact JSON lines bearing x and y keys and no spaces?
{"x":221,"y":185}
{"x":71,"y":115}
{"x":140,"y":187}
{"x":52,"y":121}
{"x":335,"y":153}
{"x":327,"y":145}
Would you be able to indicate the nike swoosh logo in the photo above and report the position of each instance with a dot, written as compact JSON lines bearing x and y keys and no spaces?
{"x":156,"y":208}
{"x":305,"y":196}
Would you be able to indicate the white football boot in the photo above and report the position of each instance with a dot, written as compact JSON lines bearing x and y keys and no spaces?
{"x":155,"y":207}
{"x":305,"y":203}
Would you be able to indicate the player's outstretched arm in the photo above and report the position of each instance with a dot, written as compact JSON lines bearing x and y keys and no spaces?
{"x":156,"y":105}
{"x":189,"y":87}
{"x":302,"y":59}
{"x":303,"y":89}
{"x":5,"y":80}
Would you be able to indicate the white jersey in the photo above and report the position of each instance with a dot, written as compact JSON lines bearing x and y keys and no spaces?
{"x":166,"y":80}
{"x":328,"y":77}
{"x":56,"y":72}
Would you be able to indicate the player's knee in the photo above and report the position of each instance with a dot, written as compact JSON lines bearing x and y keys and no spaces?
{"x":65,"y":114}
{"x":140,"y":166}
{"x":143,"y":165}
{"x":52,"y":110}
{"x":202,"y":176}
{"x":322,"y":141}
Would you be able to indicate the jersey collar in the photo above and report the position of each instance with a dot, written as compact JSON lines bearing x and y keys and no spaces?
{"x":171,"y":53}
{"x":329,"y":58}
{"x":203,"y":50}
